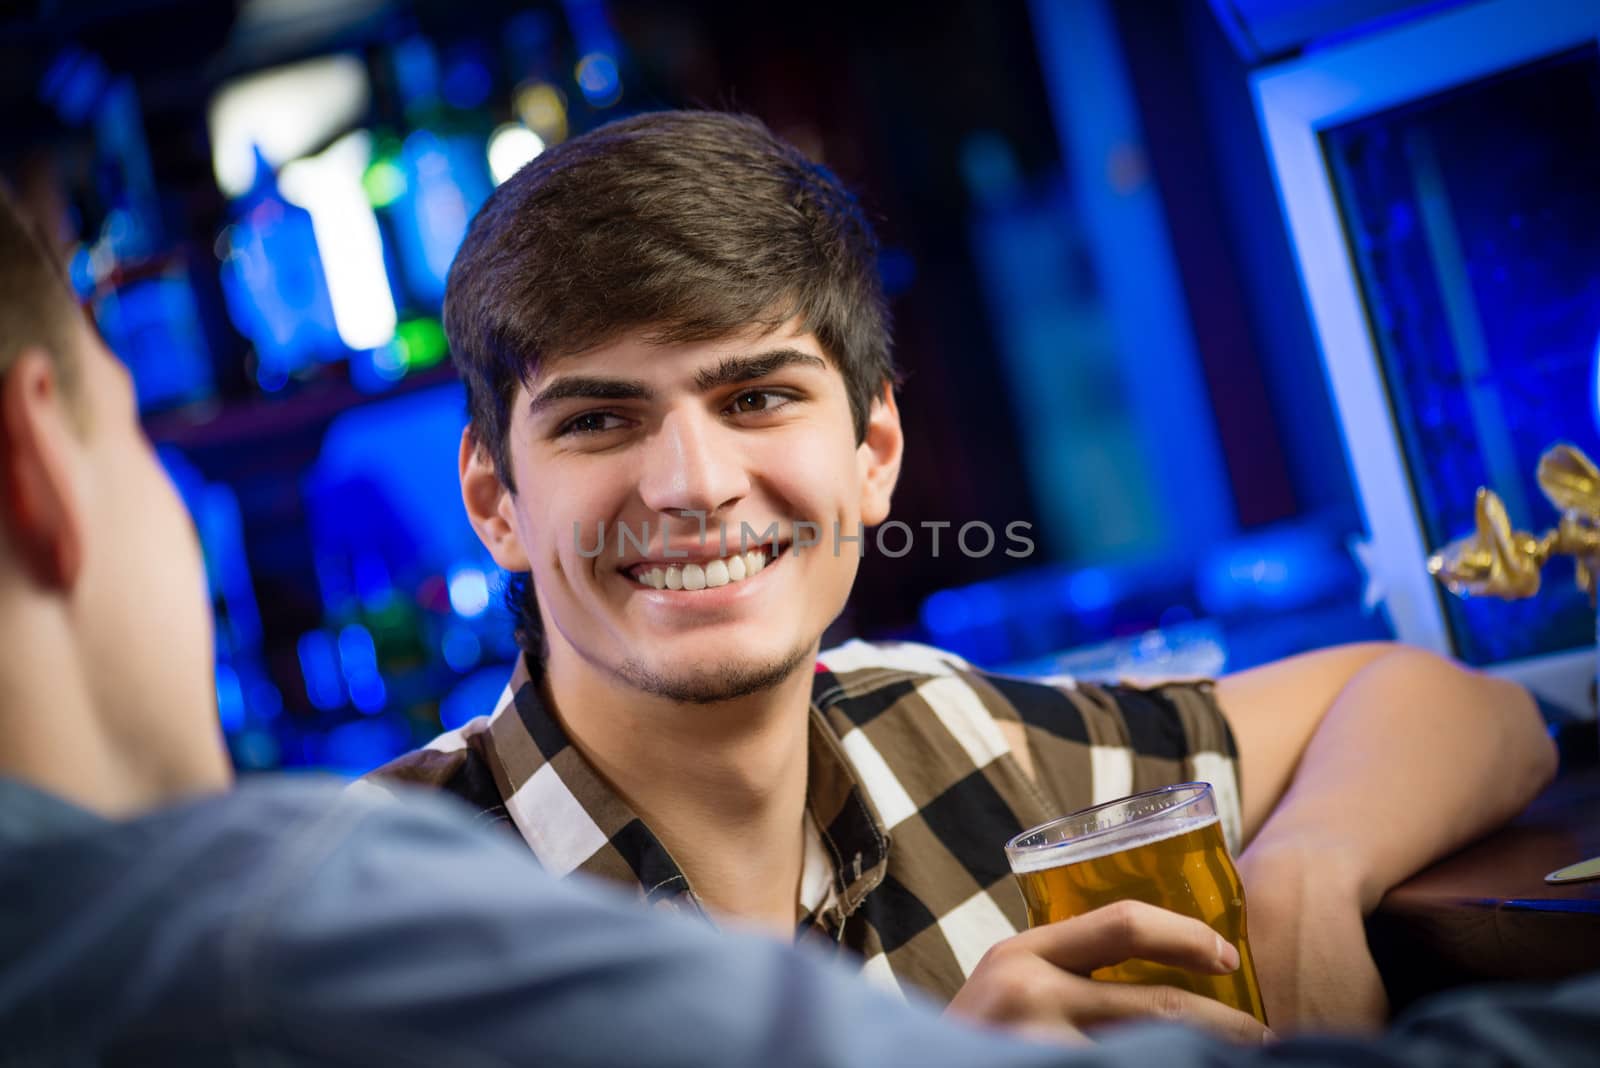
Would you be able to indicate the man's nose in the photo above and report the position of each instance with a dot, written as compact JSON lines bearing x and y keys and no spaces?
{"x":692,"y":465}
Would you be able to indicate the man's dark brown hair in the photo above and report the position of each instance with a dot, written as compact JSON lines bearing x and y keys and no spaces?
{"x":688,"y":225}
{"x":36,"y":303}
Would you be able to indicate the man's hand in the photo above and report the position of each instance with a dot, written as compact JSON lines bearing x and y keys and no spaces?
{"x":1309,"y":942}
{"x":1037,"y":982}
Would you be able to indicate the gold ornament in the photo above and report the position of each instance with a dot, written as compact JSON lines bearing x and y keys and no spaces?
{"x":1497,"y":561}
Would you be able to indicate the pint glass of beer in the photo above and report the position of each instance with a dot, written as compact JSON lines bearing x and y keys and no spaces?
{"x":1164,"y":847}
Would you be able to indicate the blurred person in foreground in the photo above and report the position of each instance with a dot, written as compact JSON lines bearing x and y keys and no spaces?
{"x":154,"y":915}
{"x":683,"y":429}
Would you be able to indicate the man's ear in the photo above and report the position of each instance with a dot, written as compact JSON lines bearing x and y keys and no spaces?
{"x":879,"y":457}
{"x":488,"y":504}
{"x":44,"y":520}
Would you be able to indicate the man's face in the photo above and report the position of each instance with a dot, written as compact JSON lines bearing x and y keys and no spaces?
{"x":141,"y":602}
{"x":750,"y":431}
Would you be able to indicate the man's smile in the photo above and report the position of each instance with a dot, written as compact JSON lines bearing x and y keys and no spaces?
{"x":692,"y":573}
{"x":704,"y":579}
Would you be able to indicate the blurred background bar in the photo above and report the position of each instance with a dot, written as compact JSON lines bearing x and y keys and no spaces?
{"x":1111,"y":331}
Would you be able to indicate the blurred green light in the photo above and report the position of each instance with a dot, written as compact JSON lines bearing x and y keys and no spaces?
{"x":384,"y":182}
{"x":422,"y":342}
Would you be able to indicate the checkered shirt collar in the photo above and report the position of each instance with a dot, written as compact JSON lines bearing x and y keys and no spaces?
{"x":574,"y":820}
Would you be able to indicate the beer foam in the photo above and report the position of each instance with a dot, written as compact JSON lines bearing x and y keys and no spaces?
{"x":1101,"y":844}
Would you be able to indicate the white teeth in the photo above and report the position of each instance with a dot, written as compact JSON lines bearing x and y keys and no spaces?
{"x":709,"y":576}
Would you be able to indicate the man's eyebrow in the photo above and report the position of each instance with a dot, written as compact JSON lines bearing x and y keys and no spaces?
{"x":735,"y":369}
{"x":588,"y":388}
{"x":731,"y":370}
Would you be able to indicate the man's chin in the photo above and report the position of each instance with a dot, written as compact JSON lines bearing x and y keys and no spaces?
{"x":718,"y":681}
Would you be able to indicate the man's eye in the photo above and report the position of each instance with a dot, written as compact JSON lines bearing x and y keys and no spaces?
{"x":590,"y":423}
{"x":759,"y":400}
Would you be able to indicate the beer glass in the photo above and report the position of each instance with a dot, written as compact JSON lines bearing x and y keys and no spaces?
{"x":1164,"y":847}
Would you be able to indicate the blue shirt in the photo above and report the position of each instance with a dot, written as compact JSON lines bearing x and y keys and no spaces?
{"x":290,"y":922}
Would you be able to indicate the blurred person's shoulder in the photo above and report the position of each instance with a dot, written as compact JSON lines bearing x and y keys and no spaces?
{"x":154,"y":918}
{"x":270,"y":814}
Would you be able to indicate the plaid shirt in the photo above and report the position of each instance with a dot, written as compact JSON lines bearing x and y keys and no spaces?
{"x":912,"y":790}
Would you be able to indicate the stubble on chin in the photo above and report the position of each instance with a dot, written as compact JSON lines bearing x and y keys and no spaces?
{"x":727,"y":682}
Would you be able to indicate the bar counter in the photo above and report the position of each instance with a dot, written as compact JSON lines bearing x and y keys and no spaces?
{"x":1485,"y":913}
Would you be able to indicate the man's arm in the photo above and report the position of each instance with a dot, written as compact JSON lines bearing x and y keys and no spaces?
{"x":1359,"y":766}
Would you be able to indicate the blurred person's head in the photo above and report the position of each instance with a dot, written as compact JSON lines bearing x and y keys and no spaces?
{"x":649,"y":253}
{"x":105,"y":629}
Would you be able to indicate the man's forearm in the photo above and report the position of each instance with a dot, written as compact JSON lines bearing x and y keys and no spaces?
{"x":1414,"y":758}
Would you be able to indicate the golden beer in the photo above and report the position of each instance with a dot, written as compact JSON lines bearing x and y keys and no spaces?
{"x":1165,"y":848}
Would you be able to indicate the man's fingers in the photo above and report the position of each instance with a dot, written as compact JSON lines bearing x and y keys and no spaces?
{"x":1017,"y":986}
{"x":1126,"y":929}
{"x":1122,"y":1002}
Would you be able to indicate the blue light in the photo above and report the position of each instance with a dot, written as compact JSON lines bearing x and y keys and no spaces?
{"x":230,"y":699}
{"x":946,"y":612}
{"x":590,"y":27}
{"x":369,"y":694}
{"x":74,"y":83}
{"x":1276,"y":569}
{"x":1176,"y":616}
{"x":376,"y":370}
{"x":1089,"y":590}
{"x":461,"y":648}
{"x":972,"y":620}
{"x":1594,"y":393}
{"x":261,"y":697}
{"x":154,"y":325}
{"x":357,"y":653}
{"x":381,"y":500}
{"x":319,"y":663}
{"x":358,"y":747}
{"x":599,"y":80}
{"x":417,"y":70}
{"x":467,"y":83}
{"x":447,"y":179}
{"x":469,"y":592}
{"x":475,"y":696}
{"x":373,"y":584}
{"x":273,"y":284}
{"x":81,"y":272}
{"x":358,"y":657}
{"x":215,"y":511}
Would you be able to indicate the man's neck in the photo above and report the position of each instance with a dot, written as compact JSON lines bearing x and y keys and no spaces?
{"x":722,"y":785}
{"x":50,"y":736}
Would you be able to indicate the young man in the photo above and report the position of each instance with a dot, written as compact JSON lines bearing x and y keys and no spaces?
{"x":152,"y":917}
{"x":673,"y":325}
